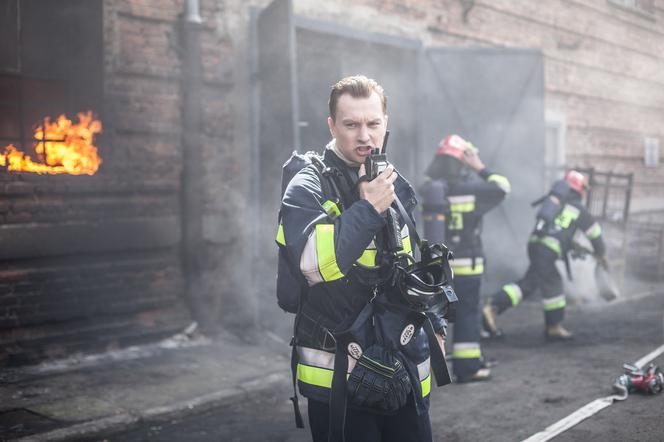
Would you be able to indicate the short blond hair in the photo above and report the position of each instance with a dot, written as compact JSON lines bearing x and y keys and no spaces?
{"x":358,"y":86}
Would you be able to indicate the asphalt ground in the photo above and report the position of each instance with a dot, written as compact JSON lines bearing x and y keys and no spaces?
{"x":534,"y":385}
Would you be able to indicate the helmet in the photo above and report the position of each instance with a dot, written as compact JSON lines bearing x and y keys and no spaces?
{"x":426,"y":285}
{"x":577,"y":181}
{"x":454,"y":146}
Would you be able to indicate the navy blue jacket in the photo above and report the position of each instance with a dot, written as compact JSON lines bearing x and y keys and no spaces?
{"x":325,"y":252}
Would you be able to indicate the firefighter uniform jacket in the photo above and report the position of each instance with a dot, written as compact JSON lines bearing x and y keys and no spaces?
{"x":574,"y":216}
{"x":469,"y":201}
{"x":325,"y":244}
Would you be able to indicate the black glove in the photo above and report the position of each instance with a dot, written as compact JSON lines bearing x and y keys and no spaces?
{"x":378,"y":382}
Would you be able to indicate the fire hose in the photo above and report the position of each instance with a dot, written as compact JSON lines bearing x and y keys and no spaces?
{"x":635,"y":378}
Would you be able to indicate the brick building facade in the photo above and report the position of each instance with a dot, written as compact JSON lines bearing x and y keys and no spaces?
{"x":102,"y":265}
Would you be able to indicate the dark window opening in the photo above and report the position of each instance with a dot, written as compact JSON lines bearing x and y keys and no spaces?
{"x":51,"y":63}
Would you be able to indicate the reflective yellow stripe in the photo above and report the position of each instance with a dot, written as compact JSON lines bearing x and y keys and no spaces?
{"x":554,"y":303}
{"x":468,"y":270}
{"x":368,"y":258}
{"x":463,"y":207}
{"x":567,"y":216}
{"x":321,"y":377}
{"x":501,"y":182}
{"x":426,"y":386}
{"x":331,"y":209}
{"x":464,"y":266}
{"x":327,"y":260}
{"x":280,"y":235}
{"x":514,"y":292}
{"x":407,"y":246}
{"x":467,"y":353}
{"x":594,"y":232}
{"x":548,"y":241}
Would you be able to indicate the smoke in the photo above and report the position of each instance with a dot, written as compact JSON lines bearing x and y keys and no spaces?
{"x":582,"y":289}
{"x":431,"y":93}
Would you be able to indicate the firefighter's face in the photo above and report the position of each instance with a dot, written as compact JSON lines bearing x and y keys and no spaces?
{"x":359,"y":126}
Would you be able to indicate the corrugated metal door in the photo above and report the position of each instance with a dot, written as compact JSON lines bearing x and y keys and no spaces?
{"x":495,"y":98}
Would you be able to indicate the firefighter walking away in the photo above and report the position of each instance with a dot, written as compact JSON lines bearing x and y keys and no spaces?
{"x":561,"y":213}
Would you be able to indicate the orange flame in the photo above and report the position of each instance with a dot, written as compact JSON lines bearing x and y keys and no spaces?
{"x":67,"y":148}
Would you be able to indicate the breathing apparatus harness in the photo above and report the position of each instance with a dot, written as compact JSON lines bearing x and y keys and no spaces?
{"x":380,"y":380}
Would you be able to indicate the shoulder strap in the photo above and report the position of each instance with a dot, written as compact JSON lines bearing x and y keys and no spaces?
{"x":328,"y":179}
{"x":408,"y":220}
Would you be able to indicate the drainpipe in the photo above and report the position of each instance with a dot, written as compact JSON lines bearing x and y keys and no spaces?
{"x":191,"y":204}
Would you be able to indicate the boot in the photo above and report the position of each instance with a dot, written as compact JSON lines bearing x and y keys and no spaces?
{"x":483,"y":374}
{"x":489,"y":322}
{"x":558,"y":333}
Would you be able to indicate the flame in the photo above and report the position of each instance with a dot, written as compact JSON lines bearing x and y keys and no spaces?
{"x":68,"y":148}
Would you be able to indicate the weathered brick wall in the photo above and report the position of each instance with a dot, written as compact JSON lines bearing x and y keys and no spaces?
{"x":92,"y":262}
{"x":103,"y":257}
{"x":148,"y":85}
{"x":604,"y":65}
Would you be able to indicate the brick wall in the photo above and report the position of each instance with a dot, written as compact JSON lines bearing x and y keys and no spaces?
{"x":144,"y":73}
{"x":92,"y":262}
{"x":604,"y":65}
{"x":103,"y":268}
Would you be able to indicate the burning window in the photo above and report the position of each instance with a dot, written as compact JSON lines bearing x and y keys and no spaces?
{"x":50,"y":65}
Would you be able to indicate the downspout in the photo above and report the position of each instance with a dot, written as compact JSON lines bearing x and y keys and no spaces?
{"x":191,"y":196}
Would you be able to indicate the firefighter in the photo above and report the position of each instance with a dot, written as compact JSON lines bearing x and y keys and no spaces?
{"x":562,"y":213}
{"x":454,"y":202}
{"x":333,"y":244}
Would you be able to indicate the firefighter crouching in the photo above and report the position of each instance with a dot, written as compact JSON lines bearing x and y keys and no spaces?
{"x":454,"y":201}
{"x":363,"y":382}
{"x":561,"y":214}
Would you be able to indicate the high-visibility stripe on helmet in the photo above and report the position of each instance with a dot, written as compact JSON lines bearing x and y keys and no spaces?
{"x":464,"y":266}
{"x":280,"y":235}
{"x":462,"y":203}
{"x":501,"y":182}
{"x":466,"y":350}
{"x":594,"y":231}
{"x":555,"y":303}
{"x":514,"y":292}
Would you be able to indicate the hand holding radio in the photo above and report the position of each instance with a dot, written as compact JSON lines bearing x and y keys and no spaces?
{"x":379,"y":192}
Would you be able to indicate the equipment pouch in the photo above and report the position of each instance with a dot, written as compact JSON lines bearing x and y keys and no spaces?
{"x":379,"y":382}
